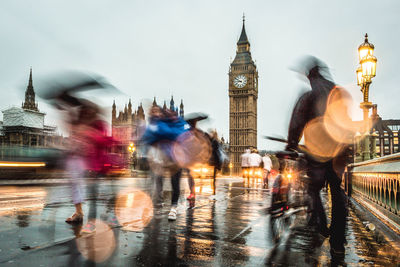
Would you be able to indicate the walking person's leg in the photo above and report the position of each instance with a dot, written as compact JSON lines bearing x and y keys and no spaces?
{"x":265,"y":174}
{"x":90,"y":227}
{"x":318,"y":216}
{"x":175,"y":182}
{"x":339,"y":214}
{"x":75,"y":169}
{"x":159,"y":184}
{"x":191,"y":186}
{"x":214,"y":181}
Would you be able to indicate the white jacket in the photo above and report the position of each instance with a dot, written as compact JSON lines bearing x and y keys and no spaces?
{"x":246,"y":158}
{"x":267,"y":163}
{"x":255,"y":160}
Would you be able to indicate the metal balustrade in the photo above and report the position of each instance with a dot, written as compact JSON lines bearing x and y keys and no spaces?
{"x":376,"y":182}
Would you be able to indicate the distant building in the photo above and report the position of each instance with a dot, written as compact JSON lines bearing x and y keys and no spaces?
{"x":129,"y":125}
{"x":388,"y":134}
{"x":24,"y":126}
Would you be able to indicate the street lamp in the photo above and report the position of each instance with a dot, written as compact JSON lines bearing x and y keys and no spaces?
{"x":230,"y":169}
{"x":131,"y":149}
{"x":365,"y":72}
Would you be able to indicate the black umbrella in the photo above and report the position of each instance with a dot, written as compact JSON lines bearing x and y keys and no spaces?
{"x":194,"y":117}
{"x":64,"y":85}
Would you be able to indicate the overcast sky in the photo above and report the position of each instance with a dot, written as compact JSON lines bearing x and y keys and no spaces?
{"x":183,"y":48}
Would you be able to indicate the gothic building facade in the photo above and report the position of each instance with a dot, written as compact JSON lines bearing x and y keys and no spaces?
{"x":243,"y":94}
{"x":129,"y":125}
{"x":24,"y":126}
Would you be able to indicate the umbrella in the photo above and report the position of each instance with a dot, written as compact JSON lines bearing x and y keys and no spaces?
{"x":193,"y":118}
{"x":63,"y":85}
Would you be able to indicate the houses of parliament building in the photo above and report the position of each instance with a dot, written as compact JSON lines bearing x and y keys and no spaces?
{"x":129,"y":125}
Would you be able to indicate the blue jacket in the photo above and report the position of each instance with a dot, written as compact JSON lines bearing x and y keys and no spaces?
{"x":164,"y":129}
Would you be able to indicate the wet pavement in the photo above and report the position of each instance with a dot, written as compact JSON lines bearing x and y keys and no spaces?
{"x":230,"y":229}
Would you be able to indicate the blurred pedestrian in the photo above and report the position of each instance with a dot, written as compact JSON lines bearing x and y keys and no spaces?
{"x":311,"y":116}
{"x":163,"y":129}
{"x":77,"y":158}
{"x":97,"y":159}
{"x":254,"y":162}
{"x":215,"y":160}
{"x":245,"y":160}
{"x":192,"y":120}
{"x":267,"y":165}
{"x":75,"y":166}
{"x":86,"y":141}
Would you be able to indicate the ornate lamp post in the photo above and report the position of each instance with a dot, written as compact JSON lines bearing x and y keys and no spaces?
{"x":365,"y":72}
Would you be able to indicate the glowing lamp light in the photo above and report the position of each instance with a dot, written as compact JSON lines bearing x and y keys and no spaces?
{"x":368,"y":66}
{"x":21,"y":164}
{"x":365,"y":49}
{"x":131,"y":147}
{"x":360,"y":78}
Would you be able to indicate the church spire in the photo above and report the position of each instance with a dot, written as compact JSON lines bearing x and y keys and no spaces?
{"x":30,"y":95}
{"x":114,"y":112}
{"x":243,"y":36}
{"x":30,"y":85}
{"x":172,"y":104}
{"x":181,"y":111}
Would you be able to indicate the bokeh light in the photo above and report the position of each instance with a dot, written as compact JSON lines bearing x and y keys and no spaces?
{"x":99,"y":245}
{"x":134,"y":209}
{"x":190,"y":148}
{"x":329,"y":135}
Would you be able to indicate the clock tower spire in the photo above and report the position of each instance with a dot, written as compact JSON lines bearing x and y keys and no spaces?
{"x":243,"y":95}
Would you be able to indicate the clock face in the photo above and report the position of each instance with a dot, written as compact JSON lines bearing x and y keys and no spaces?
{"x":240,"y":81}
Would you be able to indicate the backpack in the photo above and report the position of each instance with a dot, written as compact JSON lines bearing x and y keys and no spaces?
{"x":262,"y":164}
{"x":222,"y":156}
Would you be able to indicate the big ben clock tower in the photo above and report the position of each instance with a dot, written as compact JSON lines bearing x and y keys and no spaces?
{"x":243,"y":94}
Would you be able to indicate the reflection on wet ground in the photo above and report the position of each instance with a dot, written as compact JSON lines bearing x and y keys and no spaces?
{"x":229,"y":230}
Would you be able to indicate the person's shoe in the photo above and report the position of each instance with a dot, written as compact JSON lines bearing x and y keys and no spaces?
{"x":89,"y":228}
{"x":75,"y":218}
{"x":113,"y":221}
{"x":324,"y":233}
{"x":172,"y":214}
{"x":337,"y":256}
{"x":337,"y":251}
{"x":192,"y":196}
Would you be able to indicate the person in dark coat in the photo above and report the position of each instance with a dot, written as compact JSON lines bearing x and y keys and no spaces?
{"x":326,"y":154}
{"x":215,"y":160}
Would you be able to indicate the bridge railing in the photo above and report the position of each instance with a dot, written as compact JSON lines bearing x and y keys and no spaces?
{"x":376,"y":184}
